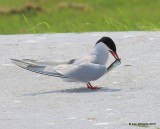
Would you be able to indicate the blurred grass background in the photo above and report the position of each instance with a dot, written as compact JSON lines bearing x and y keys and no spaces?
{"x":49,"y":16}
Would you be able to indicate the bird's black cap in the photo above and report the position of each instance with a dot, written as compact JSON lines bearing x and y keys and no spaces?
{"x":109,"y":42}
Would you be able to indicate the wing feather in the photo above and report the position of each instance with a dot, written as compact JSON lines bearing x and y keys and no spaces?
{"x":46,"y":70}
{"x":47,"y":63}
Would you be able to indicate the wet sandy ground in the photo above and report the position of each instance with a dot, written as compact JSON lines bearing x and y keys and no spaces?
{"x":129,"y":94}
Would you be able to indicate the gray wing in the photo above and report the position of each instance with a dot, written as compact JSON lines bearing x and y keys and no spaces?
{"x":47,"y":67}
{"x":46,"y":70}
{"x":47,"y":63}
{"x":85,"y":72}
{"x":80,"y":60}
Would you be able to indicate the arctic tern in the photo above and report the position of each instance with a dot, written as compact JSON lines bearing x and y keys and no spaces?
{"x":84,"y":69}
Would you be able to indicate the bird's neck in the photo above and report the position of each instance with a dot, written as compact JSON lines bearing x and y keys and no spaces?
{"x":101,"y":54}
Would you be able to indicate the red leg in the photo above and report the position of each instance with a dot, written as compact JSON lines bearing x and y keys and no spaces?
{"x":89,"y":86}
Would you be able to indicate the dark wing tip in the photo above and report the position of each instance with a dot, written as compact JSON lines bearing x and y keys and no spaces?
{"x":20,"y":63}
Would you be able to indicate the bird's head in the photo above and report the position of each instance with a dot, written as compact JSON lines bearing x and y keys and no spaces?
{"x":110,"y":46}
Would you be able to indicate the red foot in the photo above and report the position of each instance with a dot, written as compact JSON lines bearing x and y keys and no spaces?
{"x":89,"y":86}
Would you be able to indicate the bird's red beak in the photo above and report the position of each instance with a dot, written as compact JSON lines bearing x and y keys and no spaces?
{"x":115,"y":55}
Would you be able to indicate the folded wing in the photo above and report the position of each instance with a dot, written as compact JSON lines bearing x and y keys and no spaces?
{"x":84,"y":72}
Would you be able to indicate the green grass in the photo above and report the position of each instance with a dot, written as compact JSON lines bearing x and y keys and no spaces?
{"x":47,"y":16}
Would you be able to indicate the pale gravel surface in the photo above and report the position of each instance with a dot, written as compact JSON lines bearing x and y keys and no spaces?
{"x":130,"y":93}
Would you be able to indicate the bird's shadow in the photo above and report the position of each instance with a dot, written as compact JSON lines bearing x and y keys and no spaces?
{"x":73,"y":90}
